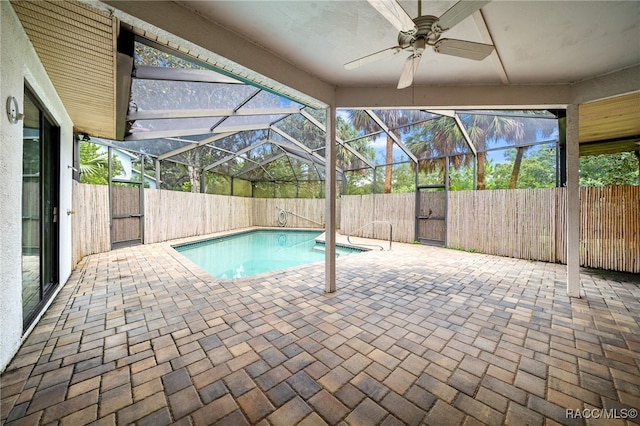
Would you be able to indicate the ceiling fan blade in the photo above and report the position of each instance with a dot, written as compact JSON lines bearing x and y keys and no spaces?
{"x":409,"y":70}
{"x":372,"y":58}
{"x":458,"y":13}
{"x":395,"y":14}
{"x":463,"y":49}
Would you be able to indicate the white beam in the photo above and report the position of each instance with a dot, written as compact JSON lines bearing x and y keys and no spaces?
{"x":260,"y":164}
{"x":573,"y":203}
{"x":199,"y":113}
{"x":607,"y":86}
{"x":148,"y":72}
{"x":456,"y":97}
{"x":465,"y":134}
{"x":297,"y":143}
{"x":322,"y":127}
{"x":446,"y":112}
{"x":492,"y":96}
{"x":485,"y":37}
{"x":312,"y":157}
{"x":161,"y":134}
{"x":392,"y":135}
{"x":234,"y":155}
{"x":330,"y":203}
{"x":195,"y":145}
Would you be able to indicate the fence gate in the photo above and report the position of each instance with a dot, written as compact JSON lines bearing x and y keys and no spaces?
{"x":431,"y":211}
{"x":431,"y":214}
{"x":126,"y":205}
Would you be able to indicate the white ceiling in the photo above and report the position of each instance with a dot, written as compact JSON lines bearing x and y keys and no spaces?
{"x":548,"y":55}
{"x":537,"y":42}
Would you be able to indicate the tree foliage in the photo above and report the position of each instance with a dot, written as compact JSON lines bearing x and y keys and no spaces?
{"x":610,"y":169}
{"x":94,"y":164}
{"x":442,"y":137}
{"x":393,"y":118}
{"x":537,"y":169}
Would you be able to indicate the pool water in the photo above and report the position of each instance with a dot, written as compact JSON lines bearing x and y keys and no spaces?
{"x":255,"y":252}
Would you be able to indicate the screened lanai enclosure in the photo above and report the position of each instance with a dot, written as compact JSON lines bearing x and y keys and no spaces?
{"x":200,"y":130}
{"x":407,"y":175}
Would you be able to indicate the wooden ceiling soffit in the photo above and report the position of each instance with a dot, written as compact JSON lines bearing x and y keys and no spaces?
{"x":610,"y":147}
{"x":77,"y":47}
{"x":610,"y":120}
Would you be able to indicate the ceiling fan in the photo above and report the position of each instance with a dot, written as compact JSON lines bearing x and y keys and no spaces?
{"x":425,"y":30}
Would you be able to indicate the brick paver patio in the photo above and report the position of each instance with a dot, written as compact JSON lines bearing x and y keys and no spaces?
{"x":418,"y":335}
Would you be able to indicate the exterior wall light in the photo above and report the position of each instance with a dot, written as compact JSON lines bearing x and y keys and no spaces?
{"x":13,"y":110}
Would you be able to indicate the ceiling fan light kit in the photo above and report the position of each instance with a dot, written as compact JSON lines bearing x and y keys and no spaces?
{"x":416,"y":34}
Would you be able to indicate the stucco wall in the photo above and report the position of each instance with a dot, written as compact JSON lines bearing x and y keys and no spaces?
{"x":19,"y":63}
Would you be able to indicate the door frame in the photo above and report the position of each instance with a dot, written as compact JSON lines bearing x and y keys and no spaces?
{"x":48,"y":207}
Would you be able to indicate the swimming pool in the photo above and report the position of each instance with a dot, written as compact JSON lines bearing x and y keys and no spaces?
{"x":255,"y":252}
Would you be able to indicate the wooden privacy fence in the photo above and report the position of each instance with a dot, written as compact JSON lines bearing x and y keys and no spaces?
{"x":90,"y":222}
{"x":530,"y":224}
{"x":171,"y":214}
{"x":356,"y":211}
{"x":515,"y":223}
{"x":302,"y":212}
{"x":610,"y":228}
{"x":524,"y":223}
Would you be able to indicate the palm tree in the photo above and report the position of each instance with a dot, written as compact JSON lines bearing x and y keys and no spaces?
{"x":347,"y":132}
{"x":349,"y":162}
{"x":393,"y":118}
{"x":482,"y":128}
{"x":94,"y":164}
{"x":446,"y":136}
{"x":530,"y":127}
{"x":94,"y":167}
{"x":437,"y":139}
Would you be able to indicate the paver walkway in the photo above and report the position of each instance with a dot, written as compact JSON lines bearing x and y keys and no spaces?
{"x":418,"y":335}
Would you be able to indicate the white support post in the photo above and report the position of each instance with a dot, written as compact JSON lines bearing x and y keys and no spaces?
{"x":330,"y":202}
{"x":573,"y":203}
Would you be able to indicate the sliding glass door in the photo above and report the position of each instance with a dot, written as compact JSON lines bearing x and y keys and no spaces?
{"x":40,"y":184}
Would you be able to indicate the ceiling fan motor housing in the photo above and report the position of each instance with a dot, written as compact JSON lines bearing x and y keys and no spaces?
{"x":426,"y":31}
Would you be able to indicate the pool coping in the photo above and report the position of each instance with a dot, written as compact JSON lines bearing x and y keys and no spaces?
{"x":342,"y":242}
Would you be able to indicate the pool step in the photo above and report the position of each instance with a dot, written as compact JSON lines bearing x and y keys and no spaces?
{"x":341,"y":240}
{"x":321,"y":248}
